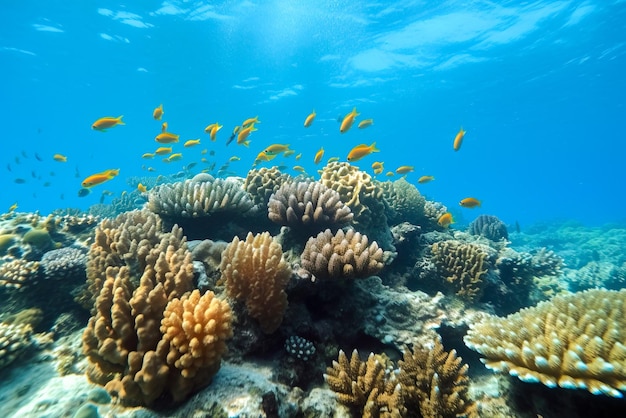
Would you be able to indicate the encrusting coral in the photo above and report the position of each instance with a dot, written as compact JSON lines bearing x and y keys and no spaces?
{"x":261,"y":183}
{"x":575,"y":340}
{"x":254,"y":271}
{"x":463,"y":267}
{"x":198,"y":197}
{"x":344,"y":255}
{"x":308,"y":204}
{"x":144,"y":270}
{"x":427,"y":383}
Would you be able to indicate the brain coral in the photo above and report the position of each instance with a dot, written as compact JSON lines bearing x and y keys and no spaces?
{"x":254,"y":271}
{"x":489,"y":227}
{"x":405,"y":203}
{"x":199,"y":197}
{"x":308,"y":204}
{"x":575,"y":340}
{"x":261,"y":183}
{"x":343,"y":255}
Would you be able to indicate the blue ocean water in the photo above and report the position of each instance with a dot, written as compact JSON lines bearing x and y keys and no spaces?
{"x":538,"y":86}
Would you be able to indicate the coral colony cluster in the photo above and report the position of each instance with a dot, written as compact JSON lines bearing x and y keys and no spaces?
{"x":297,"y":272}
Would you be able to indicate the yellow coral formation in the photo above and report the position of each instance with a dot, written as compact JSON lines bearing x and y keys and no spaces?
{"x":463,"y":267}
{"x":18,"y":273}
{"x":261,"y":183}
{"x":343,"y":255}
{"x":254,"y":271}
{"x":14,"y":340}
{"x":575,"y":340}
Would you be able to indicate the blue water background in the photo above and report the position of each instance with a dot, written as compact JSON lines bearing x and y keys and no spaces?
{"x":538,"y":86}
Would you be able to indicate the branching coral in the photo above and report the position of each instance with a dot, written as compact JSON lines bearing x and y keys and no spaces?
{"x":254,"y":271}
{"x":462,"y":266}
{"x":261,"y":183}
{"x":309,"y":205}
{"x":199,"y":197}
{"x":343,"y":255}
{"x":489,"y":227}
{"x":575,"y":340}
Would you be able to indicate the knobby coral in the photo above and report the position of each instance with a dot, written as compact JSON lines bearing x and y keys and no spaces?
{"x":261,"y":183}
{"x":342,"y":255}
{"x":308,"y":205}
{"x":254,"y":271}
{"x":575,"y":340}
{"x":15,"y":339}
{"x":19,"y":273}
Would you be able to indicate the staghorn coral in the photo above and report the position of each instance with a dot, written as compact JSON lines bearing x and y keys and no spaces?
{"x":404,"y":202}
{"x":490,"y":227}
{"x":15,"y":339}
{"x":462,"y":266}
{"x":64,"y":262}
{"x":196,"y":328}
{"x":19,"y":273}
{"x":199,"y":197}
{"x":435,"y":382}
{"x":254,"y":271}
{"x":575,"y":340}
{"x":261,"y":183}
{"x":308,"y":205}
{"x":368,"y":387}
{"x":343,"y":255}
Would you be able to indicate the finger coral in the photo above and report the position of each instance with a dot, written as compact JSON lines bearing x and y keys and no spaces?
{"x":344,"y":255}
{"x":575,"y":340}
{"x":463,"y":267}
{"x":18,"y":273}
{"x":199,"y":197}
{"x":261,"y":183}
{"x":309,"y":205}
{"x":254,"y":271}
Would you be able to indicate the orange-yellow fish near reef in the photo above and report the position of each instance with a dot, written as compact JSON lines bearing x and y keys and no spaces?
{"x":250,"y":121}
{"x":100,"y":178}
{"x":244,"y":133}
{"x":276,"y":149}
{"x":405,"y":169}
{"x":318,"y":156}
{"x":163,"y":150}
{"x":309,"y":119}
{"x":425,"y":179}
{"x":458,"y":139}
{"x":164,"y":127}
{"x":214,"y":130}
{"x":469,"y":202}
{"x":365,"y":123}
{"x":298,"y":156}
{"x":107,"y":122}
{"x":390,"y":174}
{"x":361,"y":151}
{"x":207,"y":130}
{"x":234,"y":158}
{"x":158,"y":112}
{"x":175,"y":157}
{"x":13,"y":207}
{"x":445,"y":220}
{"x":147,"y":155}
{"x":262,"y":156}
{"x":298,"y":168}
{"x":60,"y":158}
{"x":142,"y":188}
{"x":348,"y":120}
{"x":166,"y":138}
{"x":192,"y":143}
{"x":288,"y":153}
{"x":332,"y":159}
{"x":377,"y":167}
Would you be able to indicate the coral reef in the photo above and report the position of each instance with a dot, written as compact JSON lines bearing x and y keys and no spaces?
{"x":308,"y":205}
{"x":463,"y":267}
{"x":490,"y":227}
{"x":299,"y":348}
{"x":15,"y":339}
{"x":64,"y":262}
{"x":18,"y":273}
{"x":261,"y":183}
{"x":345,"y":255}
{"x":574,"y":341}
{"x":254,"y":271}
{"x":404,"y":202}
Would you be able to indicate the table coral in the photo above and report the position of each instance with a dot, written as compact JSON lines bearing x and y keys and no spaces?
{"x":254,"y":271}
{"x":342,"y":255}
{"x":575,"y":340}
{"x":308,"y":205}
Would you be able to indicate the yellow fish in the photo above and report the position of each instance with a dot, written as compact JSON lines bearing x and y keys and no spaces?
{"x":158,"y":112}
{"x":244,"y":133}
{"x":148,"y":155}
{"x":234,"y":158}
{"x":209,"y":127}
{"x":458,"y":139}
{"x":166,"y":138}
{"x":13,"y":207}
{"x":318,"y":156}
{"x":309,"y":119}
{"x":425,"y":179}
{"x":288,"y":153}
{"x":262,"y":156}
{"x":96,"y":179}
{"x":163,"y":150}
{"x":361,"y":151}
{"x":111,"y":173}
{"x":405,"y":169}
{"x":204,"y":160}
{"x":390,"y":174}
{"x":251,"y":121}
{"x":214,"y":130}
{"x":107,"y":122}
{"x":175,"y":157}
{"x":60,"y":158}
{"x":445,"y":220}
{"x":299,"y":168}
{"x":142,"y":188}
{"x":164,"y":127}
{"x":204,"y":151}
{"x":365,"y":123}
{"x":276,"y":149}
{"x":347,"y":121}
{"x":470,"y":202}
{"x":192,"y":143}
{"x":332,"y":159}
{"x":377,"y":167}
{"x":298,"y":156}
